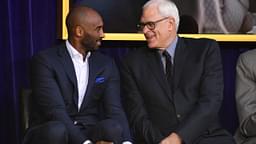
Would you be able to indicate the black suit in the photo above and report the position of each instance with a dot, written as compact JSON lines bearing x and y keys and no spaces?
{"x":55,"y":94}
{"x":191,"y":108}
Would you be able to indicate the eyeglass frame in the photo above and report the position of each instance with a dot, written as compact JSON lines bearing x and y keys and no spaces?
{"x":141,"y":26}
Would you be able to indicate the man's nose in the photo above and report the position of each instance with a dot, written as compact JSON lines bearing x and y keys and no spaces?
{"x":145,"y":29}
{"x":102,"y":34}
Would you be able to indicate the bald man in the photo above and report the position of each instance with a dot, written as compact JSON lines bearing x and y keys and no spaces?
{"x":76,"y":96}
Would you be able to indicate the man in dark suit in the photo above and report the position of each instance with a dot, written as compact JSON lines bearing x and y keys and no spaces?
{"x":76,"y":94}
{"x":173,"y":89}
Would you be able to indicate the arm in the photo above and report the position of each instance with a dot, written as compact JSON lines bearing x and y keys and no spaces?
{"x":112,"y":100}
{"x":136,"y":112}
{"x":208,"y":98}
{"x":245,"y":94}
{"x":47,"y":96}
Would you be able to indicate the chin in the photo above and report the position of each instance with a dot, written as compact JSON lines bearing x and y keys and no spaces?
{"x":152,"y":46}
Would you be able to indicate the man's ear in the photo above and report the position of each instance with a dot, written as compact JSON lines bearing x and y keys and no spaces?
{"x":79,"y":31}
{"x":172,"y":24}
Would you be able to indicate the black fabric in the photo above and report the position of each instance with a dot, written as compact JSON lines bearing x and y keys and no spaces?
{"x":168,"y":68}
{"x":55,"y":132}
{"x":191,"y":109}
{"x":107,"y":130}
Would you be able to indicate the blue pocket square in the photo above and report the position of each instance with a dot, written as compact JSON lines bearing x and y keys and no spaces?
{"x":99,"y":80}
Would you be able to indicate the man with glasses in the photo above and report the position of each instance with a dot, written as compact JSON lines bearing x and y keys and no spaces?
{"x":174,"y":88}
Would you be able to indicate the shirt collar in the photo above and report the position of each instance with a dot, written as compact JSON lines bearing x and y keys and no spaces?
{"x":172,"y":47}
{"x":74,"y":53}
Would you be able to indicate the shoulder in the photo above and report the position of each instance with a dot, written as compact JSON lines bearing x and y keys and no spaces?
{"x":250,"y":55}
{"x":100,"y":57}
{"x":247,"y":58}
{"x":102,"y":61}
{"x":136,"y":54}
{"x":50,"y":52}
{"x":198,"y":41}
{"x":199,"y":47}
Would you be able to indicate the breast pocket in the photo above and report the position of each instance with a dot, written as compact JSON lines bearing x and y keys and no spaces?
{"x":98,"y":91}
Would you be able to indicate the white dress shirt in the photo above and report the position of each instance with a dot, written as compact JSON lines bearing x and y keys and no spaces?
{"x":82,"y":71}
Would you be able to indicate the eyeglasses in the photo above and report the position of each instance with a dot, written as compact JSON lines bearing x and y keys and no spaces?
{"x":151,"y":25}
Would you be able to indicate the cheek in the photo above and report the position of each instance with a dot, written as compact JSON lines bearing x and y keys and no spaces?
{"x":153,"y":43}
{"x":96,"y":36}
{"x":163,"y":35}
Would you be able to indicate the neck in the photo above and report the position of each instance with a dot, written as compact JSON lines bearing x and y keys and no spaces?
{"x":77,"y":45}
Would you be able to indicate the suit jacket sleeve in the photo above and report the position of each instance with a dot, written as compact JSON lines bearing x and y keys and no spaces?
{"x":246,"y":92}
{"x":210,"y":94}
{"x":112,"y":100}
{"x":48,"y":98}
{"x":140,"y":124}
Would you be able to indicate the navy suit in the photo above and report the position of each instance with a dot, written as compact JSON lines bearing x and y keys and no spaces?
{"x":55,"y":93}
{"x":189,"y":107}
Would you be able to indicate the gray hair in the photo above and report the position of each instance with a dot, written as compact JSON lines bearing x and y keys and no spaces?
{"x":166,"y":8}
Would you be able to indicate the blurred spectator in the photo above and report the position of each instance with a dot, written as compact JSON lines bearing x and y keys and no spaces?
{"x":246,"y":97}
{"x":224,"y":16}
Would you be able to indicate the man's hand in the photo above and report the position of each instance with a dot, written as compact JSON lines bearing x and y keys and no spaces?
{"x":173,"y":138}
{"x":104,"y":142}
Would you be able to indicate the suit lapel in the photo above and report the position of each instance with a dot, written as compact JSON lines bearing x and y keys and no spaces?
{"x":95,"y":66}
{"x":181,"y":53}
{"x":69,"y":69}
{"x":156,"y":66}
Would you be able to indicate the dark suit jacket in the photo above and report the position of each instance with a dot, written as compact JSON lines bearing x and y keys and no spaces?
{"x":55,"y":94}
{"x":191,"y":109}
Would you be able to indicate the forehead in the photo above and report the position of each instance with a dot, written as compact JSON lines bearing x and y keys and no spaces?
{"x":94,"y":19}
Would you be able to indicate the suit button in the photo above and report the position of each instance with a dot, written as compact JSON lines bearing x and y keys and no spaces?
{"x":178,"y":115}
{"x":75,"y":122}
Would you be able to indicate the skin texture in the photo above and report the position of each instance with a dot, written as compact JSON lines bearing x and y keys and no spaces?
{"x":85,"y":29}
{"x":164,"y":32}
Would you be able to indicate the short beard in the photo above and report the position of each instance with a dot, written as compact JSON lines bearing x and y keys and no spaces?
{"x":89,"y":43}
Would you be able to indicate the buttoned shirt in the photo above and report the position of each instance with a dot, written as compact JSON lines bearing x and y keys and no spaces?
{"x":81,"y":66}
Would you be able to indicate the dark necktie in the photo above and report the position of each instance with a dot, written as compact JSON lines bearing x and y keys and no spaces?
{"x":168,"y":64}
{"x":168,"y":67}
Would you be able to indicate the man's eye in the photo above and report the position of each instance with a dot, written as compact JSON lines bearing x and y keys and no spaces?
{"x":151,"y":24}
{"x":98,"y":29}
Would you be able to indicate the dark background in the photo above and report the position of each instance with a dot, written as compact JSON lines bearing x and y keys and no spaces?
{"x":29,"y":26}
{"x":120,"y":16}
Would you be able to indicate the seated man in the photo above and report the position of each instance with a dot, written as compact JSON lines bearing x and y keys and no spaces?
{"x":76,"y":94}
{"x":246,"y":97}
{"x":174,"y":88}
